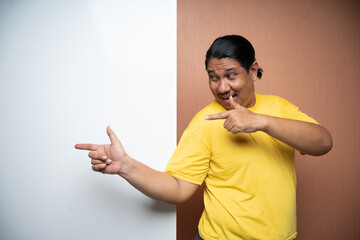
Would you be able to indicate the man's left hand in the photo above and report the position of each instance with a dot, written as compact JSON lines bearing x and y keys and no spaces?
{"x":239,"y":119}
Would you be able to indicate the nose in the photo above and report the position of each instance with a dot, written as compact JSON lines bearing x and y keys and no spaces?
{"x":223,"y":86}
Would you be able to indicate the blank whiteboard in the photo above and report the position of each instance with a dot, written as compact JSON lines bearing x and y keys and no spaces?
{"x":67,"y":70}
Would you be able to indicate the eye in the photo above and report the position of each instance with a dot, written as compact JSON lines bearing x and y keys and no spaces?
{"x":212,"y":77}
{"x":231,"y":76}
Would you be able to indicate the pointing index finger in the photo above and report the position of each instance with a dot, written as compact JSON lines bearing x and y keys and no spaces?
{"x":221,"y":115}
{"x":86,"y":146}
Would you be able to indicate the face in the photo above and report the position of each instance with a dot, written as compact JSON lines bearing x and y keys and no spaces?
{"x":228,"y":78}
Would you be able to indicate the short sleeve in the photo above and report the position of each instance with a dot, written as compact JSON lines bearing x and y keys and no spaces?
{"x":190,"y":161}
{"x":291,"y":111}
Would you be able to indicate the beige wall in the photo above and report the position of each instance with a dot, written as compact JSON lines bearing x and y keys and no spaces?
{"x":310,"y":53}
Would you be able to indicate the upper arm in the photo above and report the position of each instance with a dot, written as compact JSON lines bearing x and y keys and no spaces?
{"x":186,"y":190}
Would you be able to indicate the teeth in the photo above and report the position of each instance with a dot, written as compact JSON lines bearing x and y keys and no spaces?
{"x":227,"y":98}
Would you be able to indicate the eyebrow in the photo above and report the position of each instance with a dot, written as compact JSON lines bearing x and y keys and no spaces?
{"x":226,"y":70}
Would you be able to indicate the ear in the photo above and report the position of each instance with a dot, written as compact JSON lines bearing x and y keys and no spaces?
{"x":253,"y":70}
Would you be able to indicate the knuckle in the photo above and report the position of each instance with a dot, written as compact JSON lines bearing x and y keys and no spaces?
{"x":98,"y":166}
{"x":94,"y":154}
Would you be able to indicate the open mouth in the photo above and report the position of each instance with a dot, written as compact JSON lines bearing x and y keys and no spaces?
{"x":226,"y":98}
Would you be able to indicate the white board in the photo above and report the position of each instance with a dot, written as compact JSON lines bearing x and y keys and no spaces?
{"x":67,"y":70}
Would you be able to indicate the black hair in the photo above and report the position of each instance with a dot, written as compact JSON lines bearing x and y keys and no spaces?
{"x":236,"y":47}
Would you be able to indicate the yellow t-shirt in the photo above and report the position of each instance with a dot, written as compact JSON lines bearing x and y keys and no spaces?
{"x":250,"y":181}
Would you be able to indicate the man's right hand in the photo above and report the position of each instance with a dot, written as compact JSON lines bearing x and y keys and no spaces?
{"x":112,"y":159}
{"x":107,"y":158}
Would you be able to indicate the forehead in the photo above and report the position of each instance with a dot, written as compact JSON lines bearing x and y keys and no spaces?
{"x":223,"y":64}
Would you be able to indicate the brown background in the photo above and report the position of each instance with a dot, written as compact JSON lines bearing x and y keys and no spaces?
{"x":310,"y":53}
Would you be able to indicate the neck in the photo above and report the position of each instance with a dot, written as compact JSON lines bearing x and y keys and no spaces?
{"x":251,"y":101}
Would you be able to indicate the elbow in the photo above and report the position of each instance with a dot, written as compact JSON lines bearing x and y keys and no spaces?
{"x":329,"y":144}
{"x":323,"y":148}
{"x":324,"y":145}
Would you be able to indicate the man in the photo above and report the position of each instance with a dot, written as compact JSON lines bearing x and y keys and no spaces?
{"x":241,"y":145}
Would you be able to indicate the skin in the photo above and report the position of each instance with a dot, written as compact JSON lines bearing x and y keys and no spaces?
{"x":233,"y":87}
{"x":227,"y":78}
{"x":112,"y":159}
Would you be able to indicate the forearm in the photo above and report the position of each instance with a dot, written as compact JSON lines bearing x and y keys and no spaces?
{"x":306,"y":137}
{"x":155,"y":184}
{"x":112,"y":159}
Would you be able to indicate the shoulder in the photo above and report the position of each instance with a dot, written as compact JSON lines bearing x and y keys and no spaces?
{"x":274,"y":102}
{"x":269,"y":104}
{"x":198,"y":124}
{"x":288,"y":109}
{"x":272,"y":99}
{"x":213,"y":107}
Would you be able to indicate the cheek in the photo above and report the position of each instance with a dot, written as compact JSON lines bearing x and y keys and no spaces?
{"x":237,"y":85}
{"x":213,"y":86}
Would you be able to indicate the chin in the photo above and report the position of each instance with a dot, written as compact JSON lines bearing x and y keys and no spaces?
{"x":225,"y":105}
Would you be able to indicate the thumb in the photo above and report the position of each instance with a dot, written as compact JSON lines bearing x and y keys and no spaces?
{"x":113,"y":138}
{"x":233,"y":104}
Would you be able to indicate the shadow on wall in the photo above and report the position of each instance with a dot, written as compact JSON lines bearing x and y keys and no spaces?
{"x":117,"y":193}
{"x":158,"y":206}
